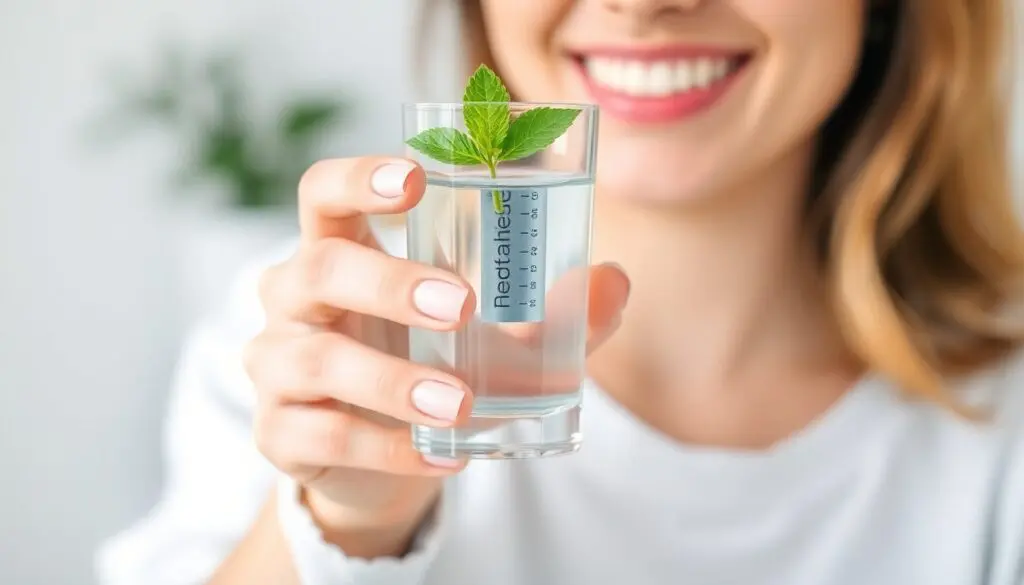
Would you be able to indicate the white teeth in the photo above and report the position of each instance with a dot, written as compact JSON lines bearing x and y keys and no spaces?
{"x":684,"y":78}
{"x":635,"y":78}
{"x":704,"y":72}
{"x":661,"y":79}
{"x":720,"y":68}
{"x":658,"y":78}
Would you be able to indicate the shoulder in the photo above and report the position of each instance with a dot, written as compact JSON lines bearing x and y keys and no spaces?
{"x":997,"y":390}
{"x":947,"y":443}
{"x":1000,"y":390}
{"x":996,"y":394}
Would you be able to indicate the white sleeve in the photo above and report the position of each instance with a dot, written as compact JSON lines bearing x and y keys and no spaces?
{"x":319,"y":563}
{"x":216,"y":481}
{"x":1006,"y":554}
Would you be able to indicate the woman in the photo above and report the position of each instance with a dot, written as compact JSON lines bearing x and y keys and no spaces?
{"x":815,"y":379}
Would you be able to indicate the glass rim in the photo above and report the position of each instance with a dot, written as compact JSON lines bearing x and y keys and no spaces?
{"x":437,"y":106}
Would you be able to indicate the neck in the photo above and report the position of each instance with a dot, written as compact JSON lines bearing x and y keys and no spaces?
{"x":723,"y":292}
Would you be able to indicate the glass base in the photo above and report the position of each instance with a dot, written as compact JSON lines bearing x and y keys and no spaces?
{"x":521,"y":437}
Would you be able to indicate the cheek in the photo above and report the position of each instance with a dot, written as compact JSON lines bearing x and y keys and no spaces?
{"x":520,"y":35}
{"x":813,"y":49}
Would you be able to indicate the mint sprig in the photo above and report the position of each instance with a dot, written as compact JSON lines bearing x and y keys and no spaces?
{"x":494,"y":134}
{"x":446,"y":145}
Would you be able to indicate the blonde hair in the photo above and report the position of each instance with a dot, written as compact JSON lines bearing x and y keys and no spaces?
{"x":911,"y":203}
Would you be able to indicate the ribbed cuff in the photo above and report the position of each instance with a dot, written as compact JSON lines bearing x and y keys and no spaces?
{"x":319,"y":562}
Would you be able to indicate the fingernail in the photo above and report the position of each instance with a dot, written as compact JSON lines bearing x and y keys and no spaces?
{"x":438,"y":400}
{"x":389,"y":180}
{"x":442,"y":461}
{"x":440,"y":300}
{"x":628,"y":283}
{"x":615,"y":322}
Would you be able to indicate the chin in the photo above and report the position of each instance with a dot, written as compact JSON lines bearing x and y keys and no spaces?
{"x":656,"y":173}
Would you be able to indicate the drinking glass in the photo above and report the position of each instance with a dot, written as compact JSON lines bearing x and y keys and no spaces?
{"x":521,"y":237}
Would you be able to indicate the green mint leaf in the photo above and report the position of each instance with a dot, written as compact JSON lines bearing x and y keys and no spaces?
{"x":534,"y":130}
{"x":447,"y":145}
{"x":493,"y":136}
{"x":487,"y":122}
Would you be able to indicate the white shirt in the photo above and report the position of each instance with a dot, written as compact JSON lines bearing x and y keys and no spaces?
{"x":878,"y":491}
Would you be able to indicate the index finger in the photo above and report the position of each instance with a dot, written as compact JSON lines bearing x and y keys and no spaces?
{"x":337,"y":195}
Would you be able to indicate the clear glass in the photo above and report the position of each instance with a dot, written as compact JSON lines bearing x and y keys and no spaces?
{"x":522,"y":239}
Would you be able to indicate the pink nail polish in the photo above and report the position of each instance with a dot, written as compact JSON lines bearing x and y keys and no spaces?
{"x":440,"y":300}
{"x":389,"y":180}
{"x":442,"y":461}
{"x":438,"y":400}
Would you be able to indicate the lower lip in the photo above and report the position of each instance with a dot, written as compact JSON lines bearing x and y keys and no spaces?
{"x":651,"y":109}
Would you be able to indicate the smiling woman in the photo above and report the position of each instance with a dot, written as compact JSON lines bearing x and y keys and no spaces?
{"x":807,"y":268}
{"x":908,"y":196}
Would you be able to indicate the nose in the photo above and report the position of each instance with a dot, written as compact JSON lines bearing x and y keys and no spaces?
{"x":649,"y":8}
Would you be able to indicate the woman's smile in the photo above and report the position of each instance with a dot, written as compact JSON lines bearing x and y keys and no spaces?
{"x":658,"y":84}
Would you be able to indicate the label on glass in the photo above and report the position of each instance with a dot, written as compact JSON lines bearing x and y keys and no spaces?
{"x":512,"y":255}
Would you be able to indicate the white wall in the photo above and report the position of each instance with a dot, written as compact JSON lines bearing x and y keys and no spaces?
{"x":89,"y":319}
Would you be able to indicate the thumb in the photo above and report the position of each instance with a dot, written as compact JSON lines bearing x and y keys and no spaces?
{"x":609,"y":292}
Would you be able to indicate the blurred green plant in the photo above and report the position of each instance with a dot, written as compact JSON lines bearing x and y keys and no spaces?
{"x":258,"y":160}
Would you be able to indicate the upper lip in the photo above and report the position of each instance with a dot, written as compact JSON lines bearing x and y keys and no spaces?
{"x":653,"y":53}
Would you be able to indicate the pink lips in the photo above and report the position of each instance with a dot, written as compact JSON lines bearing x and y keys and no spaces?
{"x":674,"y":106}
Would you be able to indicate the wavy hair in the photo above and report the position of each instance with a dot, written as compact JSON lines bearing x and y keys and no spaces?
{"x":918,"y":236}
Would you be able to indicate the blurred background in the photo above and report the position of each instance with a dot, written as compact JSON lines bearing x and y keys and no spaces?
{"x":146,"y":148}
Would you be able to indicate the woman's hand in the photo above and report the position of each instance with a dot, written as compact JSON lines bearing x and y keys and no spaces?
{"x":336,"y":392}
